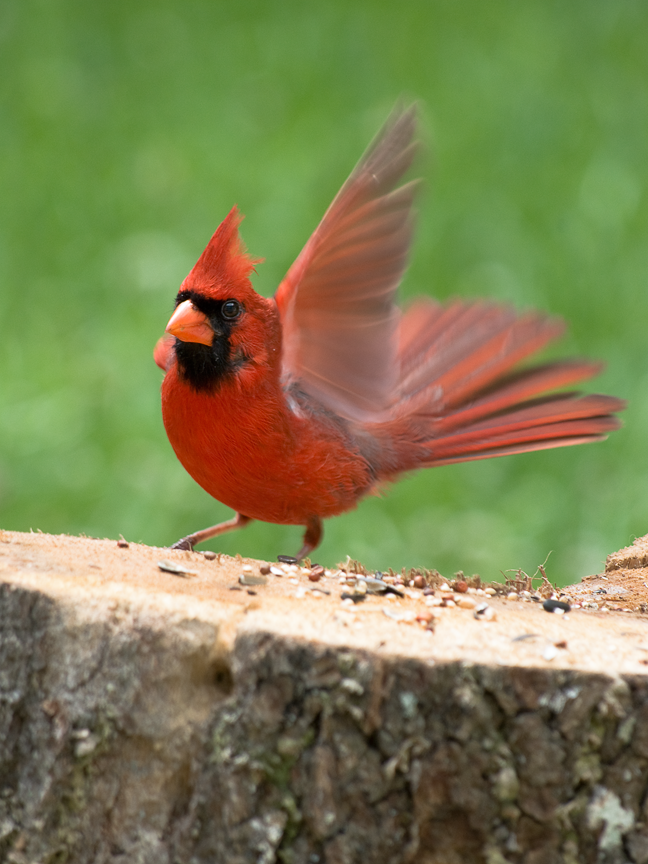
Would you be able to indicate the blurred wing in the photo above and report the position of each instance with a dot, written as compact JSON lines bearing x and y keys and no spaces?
{"x":336,"y":302}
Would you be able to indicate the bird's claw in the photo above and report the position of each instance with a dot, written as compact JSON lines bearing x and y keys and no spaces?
{"x":185,"y":544}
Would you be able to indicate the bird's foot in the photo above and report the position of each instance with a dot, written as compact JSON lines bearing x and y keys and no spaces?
{"x":184,"y":544}
{"x":312,"y":537}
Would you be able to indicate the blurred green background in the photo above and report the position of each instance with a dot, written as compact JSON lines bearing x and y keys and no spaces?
{"x":128,"y":130}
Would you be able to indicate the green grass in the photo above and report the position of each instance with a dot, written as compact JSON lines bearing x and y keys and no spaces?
{"x":128,"y":130}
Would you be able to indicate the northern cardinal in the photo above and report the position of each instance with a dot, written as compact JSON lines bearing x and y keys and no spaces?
{"x":291,"y":409}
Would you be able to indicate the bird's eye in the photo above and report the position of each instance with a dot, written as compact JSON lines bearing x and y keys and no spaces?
{"x":231,"y":309}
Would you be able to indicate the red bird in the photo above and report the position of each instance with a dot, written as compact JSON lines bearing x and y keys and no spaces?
{"x":291,"y":409}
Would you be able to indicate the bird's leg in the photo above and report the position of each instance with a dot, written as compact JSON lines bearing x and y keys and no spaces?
{"x":312,"y":537}
{"x":239,"y":521}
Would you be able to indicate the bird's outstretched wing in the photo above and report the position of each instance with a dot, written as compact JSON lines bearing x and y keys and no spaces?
{"x":336,"y":302}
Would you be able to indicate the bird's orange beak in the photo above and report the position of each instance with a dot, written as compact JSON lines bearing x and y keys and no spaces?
{"x":190,"y":325}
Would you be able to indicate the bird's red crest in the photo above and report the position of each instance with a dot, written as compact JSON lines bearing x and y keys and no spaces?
{"x":224,"y":266}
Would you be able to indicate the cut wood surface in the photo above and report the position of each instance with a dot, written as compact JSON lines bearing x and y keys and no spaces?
{"x":226,"y":713}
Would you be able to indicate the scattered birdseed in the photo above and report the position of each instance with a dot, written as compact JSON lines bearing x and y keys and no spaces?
{"x":556,"y":606}
{"x":490,"y":592}
{"x":209,"y":555}
{"x":461,"y":586}
{"x":176,"y":569}
{"x":484,"y":612}
{"x":512,"y":596}
{"x":550,"y":652}
{"x":287,"y":559}
{"x":234,"y":588}
{"x":561,"y":644}
{"x":315,"y":575}
{"x":123,"y":544}
{"x":419,"y":582}
{"x":250,"y":591}
{"x":247,"y":568}
{"x":354,"y":598}
{"x":433,"y":601}
{"x":249,"y":579}
{"x":466,"y":602}
{"x":276,"y":571}
{"x":265,"y":569}
{"x":525,"y":636}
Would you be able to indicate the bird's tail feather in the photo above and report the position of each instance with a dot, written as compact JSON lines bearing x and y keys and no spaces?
{"x":462,"y":386}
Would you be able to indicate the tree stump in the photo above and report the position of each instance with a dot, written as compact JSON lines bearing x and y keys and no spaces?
{"x":159,"y":717}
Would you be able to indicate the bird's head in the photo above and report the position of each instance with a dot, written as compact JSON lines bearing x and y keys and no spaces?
{"x":221,"y":325}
